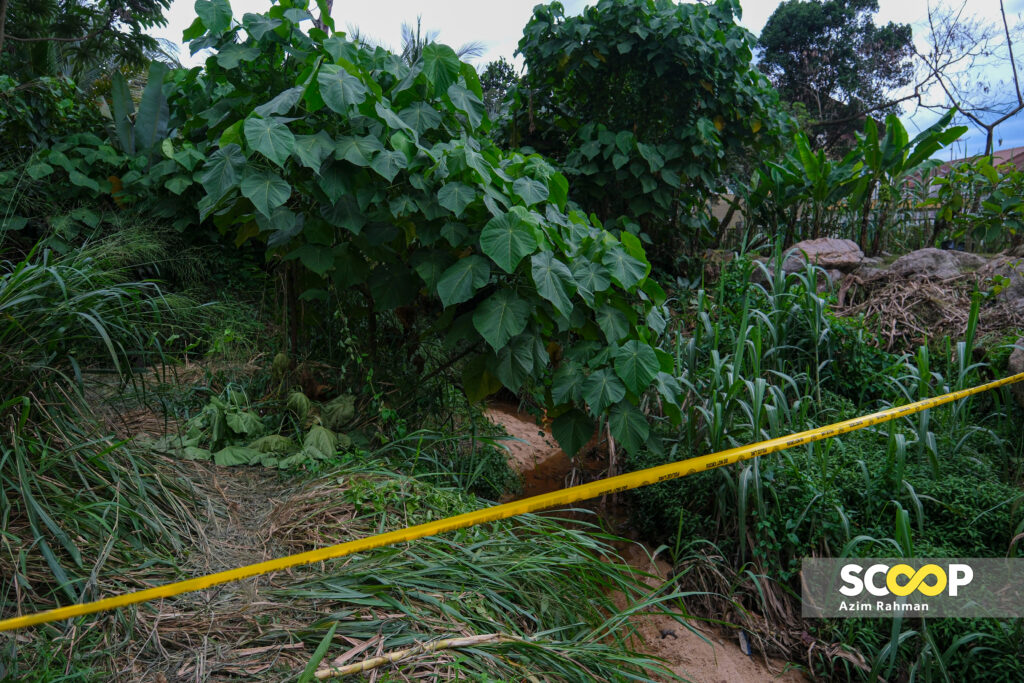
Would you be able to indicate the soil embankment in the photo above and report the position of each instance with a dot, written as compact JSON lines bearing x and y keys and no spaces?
{"x":699,"y":653}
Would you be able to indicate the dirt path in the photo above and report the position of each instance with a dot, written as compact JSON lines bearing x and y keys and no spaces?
{"x":700,"y":654}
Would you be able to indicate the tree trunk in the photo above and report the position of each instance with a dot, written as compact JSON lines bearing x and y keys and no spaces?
{"x":3,"y":23}
{"x":876,"y":242}
{"x":320,"y":22}
{"x":866,"y":215}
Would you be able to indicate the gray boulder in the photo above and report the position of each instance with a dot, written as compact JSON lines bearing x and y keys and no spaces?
{"x":936,"y":264}
{"x":831,"y":253}
{"x":1007,"y":273}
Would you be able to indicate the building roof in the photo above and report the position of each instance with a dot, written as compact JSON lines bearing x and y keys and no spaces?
{"x":1010,"y":155}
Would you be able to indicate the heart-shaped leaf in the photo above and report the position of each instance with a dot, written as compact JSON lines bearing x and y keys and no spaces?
{"x":455,"y":197}
{"x":629,"y":426}
{"x":270,"y":137}
{"x":636,"y":364}
{"x":462,"y":280}
{"x":501,"y":317}
{"x":553,"y":280}
{"x":340,"y":89}
{"x":508,"y":238}
{"x":572,"y":430}
{"x":601,"y":389}
{"x":265,"y":189}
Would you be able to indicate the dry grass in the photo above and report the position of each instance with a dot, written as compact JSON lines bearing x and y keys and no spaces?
{"x":908,"y":313}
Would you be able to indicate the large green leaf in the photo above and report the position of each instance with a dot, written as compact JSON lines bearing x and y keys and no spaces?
{"x":345,"y":213}
{"x":258,"y":25}
{"x":223,"y":170}
{"x":388,"y":115}
{"x":340,"y":89}
{"x":282,"y":103}
{"x":668,"y":386}
{"x":270,"y":137}
{"x":124,"y":107}
{"x":233,"y":55}
{"x":601,"y":389}
{"x":591,"y":277}
{"x":558,"y":190}
{"x":552,"y":278}
{"x":628,"y":426}
{"x":440,"y":66}
{"x":515,"y":362}
{"x":420,"y":116}
{"x":153,"y":117}
{"x":636,"y":364}
{"x":530,"y":191}
{"x":455,"y":197}
{"x":508,"y":238}
{"x":430,"y":265}
{"x":651,"y":155}
{"x":477,"y":381}
{"x":612,"y":322}
{"x":317,"y":258}
{"x":244,"y":422}
{"x":468,"y":103}
{"x":462,"y":280}
{"x":572,"y":430}
{"x":81,"y":180}
{"x":388,"y":163}
{"x":357,"y":149}
{"x":236,"y":455}
{"x":624,"y":269}
{"x":313,"y":150}
{"x":567,"y":384}
{"x":501,"y":317}
{"x":216,"y":14}
{"x":265,"y":189}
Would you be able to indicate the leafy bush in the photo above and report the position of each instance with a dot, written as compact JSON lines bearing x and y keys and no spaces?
{"x":978,"y":200}
{"x":657,"y":100}
{"x":37,"y":112}
{"x":376,"y":177}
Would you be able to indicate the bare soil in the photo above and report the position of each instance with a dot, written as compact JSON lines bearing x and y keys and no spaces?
{"x":696,"y":651}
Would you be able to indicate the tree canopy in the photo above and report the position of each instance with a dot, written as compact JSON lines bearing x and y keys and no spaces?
{"x":654,"y":99}
{"x":44,"y":37}
{"x":832,"y":60}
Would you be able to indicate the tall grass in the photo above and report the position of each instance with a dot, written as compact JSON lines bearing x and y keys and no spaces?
{"x":546,"y":582}
{"x":60,"y":314}
{"x":74,"y":503}
{"x":763,"y":357}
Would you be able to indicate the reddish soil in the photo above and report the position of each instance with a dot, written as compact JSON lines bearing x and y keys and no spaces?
{"x":696,"y":652}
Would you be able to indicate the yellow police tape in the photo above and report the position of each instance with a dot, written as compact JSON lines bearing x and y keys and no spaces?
{"x":544,"y":501}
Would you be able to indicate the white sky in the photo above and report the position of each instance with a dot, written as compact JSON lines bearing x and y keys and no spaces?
{"x":499,"y":25}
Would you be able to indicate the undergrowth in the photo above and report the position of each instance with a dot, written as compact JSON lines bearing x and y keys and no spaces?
{"x":763,"y":358}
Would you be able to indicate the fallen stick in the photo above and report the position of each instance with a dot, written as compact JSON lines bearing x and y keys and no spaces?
{"x":421,"y":648}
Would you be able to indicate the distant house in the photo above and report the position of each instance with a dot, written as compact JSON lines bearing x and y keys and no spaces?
{"x":1012,"y":155}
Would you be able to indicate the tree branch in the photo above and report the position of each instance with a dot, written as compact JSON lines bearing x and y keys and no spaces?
{"x":1013,"y":63}
{"x":878,"y":107}
{"x":53,"y":39}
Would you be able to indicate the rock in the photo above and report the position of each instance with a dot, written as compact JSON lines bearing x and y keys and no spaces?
{"x":871,"y":268}
{"x":828,"y":252}
{"x":936,"y":264}
{"x":1016,"y":366}
{"x":1007,"y":273}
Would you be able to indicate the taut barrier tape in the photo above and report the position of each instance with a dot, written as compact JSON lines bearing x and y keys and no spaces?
{"x":544,"y":501}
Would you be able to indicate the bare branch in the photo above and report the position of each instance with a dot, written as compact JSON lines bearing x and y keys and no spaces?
{"x":1009,"y":47}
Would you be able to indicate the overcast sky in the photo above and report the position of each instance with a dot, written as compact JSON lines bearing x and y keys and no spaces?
{"x":499,"y":24}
